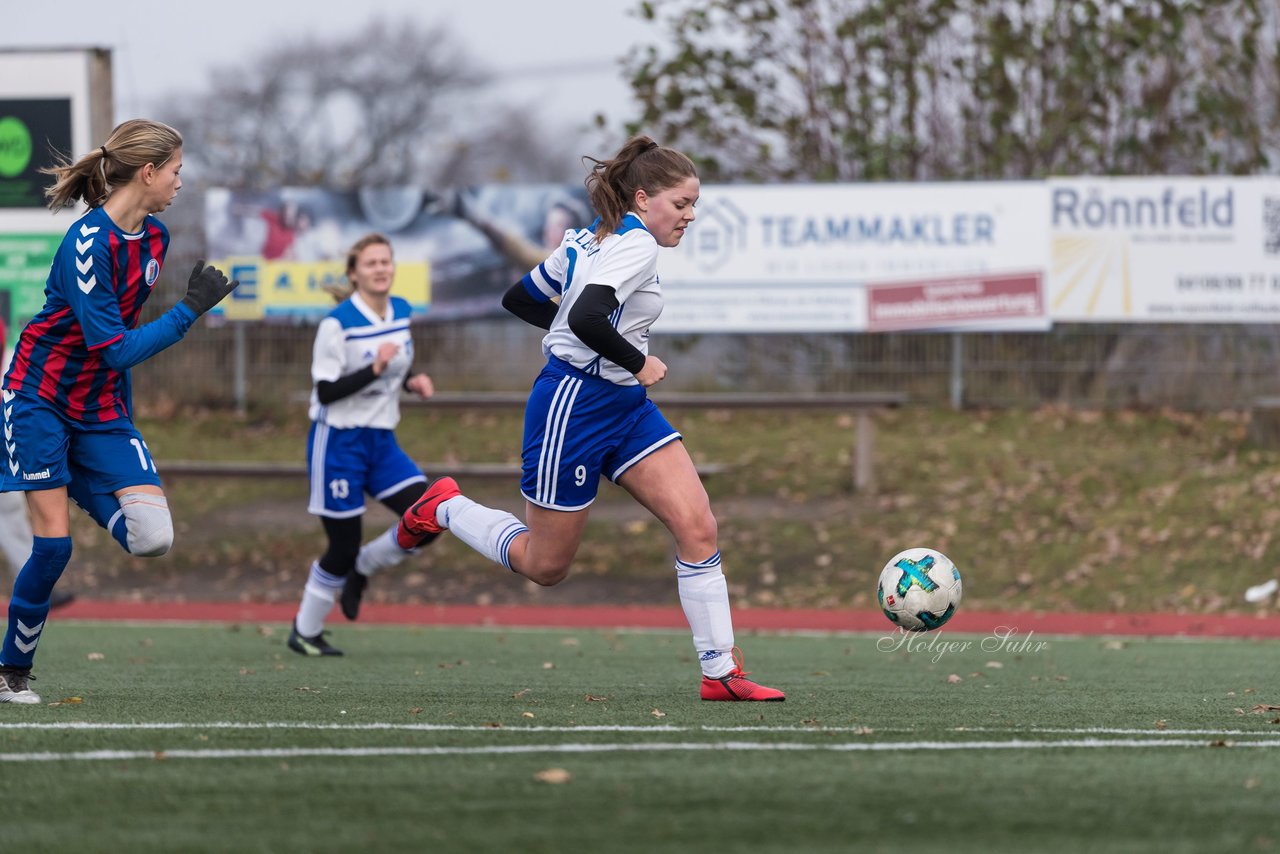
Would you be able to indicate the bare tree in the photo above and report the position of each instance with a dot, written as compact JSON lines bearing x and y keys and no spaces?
{"x":391,"y":104}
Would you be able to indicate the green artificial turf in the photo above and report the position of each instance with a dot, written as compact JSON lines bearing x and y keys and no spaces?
{"x":503,"y":740}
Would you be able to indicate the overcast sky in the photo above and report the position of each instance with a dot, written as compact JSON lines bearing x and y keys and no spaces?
{"x":538,"y":49}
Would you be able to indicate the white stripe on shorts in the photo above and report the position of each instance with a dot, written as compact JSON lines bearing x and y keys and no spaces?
{"x":318,"y":449}
{"x":553,"y":439}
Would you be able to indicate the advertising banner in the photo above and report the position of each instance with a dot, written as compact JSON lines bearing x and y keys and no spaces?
{"x":25,"y":260}
{"x":34,"y":133}
{"x":799,"y":258}
{"x":1012,"y":301}
{"x":53,"y":102}
{"x":456,"y":252}
{"x":1160,"y":250}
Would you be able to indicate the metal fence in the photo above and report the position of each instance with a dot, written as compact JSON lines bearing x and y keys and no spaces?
{"x":256,"y":366}
{"x":264,"y":365}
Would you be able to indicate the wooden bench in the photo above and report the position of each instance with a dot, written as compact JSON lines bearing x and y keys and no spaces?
{"x":862,"y":405}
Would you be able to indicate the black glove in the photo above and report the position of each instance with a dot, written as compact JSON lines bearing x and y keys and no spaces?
{"x":206,"y":288}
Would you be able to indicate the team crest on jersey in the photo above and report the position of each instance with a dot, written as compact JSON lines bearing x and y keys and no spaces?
{"x":152,"y":272}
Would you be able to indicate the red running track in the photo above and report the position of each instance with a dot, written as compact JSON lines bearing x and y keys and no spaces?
{"x":745,"y":619}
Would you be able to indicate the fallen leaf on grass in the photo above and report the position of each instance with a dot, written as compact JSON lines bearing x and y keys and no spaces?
{"x":521,"y":693}
{"x":526,"y":714}
{"x":658,"y":713}
{"x":1264,"y":707}
{"x":953,"y":679}
{"x":592,"y":698}
{"x":96,"y":656}
{"x":554,"y":776}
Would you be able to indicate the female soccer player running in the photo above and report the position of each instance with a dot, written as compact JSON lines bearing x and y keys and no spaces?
{"x":588,"y":413}
{"x":68,"y":418}
{"x":361,"y":361}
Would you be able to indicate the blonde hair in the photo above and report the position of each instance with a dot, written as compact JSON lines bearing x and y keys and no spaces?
{"x":373,"y":238}
{"x":132,"y":145}
{"x":640,"y":164}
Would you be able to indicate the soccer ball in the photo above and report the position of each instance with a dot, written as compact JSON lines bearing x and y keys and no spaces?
{"x":919,"y":589}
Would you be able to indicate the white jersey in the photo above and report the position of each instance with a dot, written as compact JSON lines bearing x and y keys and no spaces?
{"x":348,"y":340}
{"x":626,"y":261}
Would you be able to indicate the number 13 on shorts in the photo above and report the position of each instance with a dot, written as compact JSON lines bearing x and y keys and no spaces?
{"x":144,"y":455}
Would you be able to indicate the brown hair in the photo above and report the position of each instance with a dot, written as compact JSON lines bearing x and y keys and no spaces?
{"x":132,"y":145}
{"x":373,"y":238}
{"x":641,"y":163}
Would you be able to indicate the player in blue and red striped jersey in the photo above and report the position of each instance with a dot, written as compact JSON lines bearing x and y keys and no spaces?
{"x":67,"y":402}
{"x":15,"y":526}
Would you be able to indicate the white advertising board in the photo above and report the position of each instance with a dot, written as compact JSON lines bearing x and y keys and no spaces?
{"x":783,"y":258}
{"x":1160,"y":250}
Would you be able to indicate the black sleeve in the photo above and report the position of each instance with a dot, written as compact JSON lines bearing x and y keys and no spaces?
{"x":589,"y":320}
{"x":327,"y":391}
{"x":519,"y":302}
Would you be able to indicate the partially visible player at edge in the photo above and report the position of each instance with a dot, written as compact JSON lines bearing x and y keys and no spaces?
{"x":67,"y":398}
{"x":15,"y":525}
{"x":589,"y":414}
{"x":361,"y":361}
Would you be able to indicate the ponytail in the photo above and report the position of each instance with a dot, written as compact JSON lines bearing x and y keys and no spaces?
{"x":94,"y":176}
{"x":640,"y":164}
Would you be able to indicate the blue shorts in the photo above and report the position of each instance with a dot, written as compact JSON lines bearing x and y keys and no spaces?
{"x":345,"y":463}
{"x":45,"y":450}
{"x":578,"y":427}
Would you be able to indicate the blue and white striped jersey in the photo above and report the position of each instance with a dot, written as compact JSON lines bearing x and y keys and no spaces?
{"x":626,"y":261}
{"x":348,"y":340}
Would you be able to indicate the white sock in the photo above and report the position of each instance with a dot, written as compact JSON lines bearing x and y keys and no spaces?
{"x":490,"y":532}
{"x":317,"y":601}
{"x":380,"y":553}
{"x":704,"y":594}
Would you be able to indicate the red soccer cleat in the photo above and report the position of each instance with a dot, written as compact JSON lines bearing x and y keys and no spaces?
{"x":735,"y":686}
{"x":420,"y":520}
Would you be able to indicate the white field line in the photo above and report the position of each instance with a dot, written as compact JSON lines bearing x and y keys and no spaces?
{"x":94,"y":726}
{"x":488,"y":628}
{"x":659,"y":747}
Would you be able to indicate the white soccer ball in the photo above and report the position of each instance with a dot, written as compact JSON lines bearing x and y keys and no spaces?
{"x":919,"y":589}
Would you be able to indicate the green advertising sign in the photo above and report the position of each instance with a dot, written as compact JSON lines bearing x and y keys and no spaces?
{"x":25,"y":260}
{"x":34,"y":133}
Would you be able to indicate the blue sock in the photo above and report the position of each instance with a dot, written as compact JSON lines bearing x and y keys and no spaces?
{"x":103,"y":508}
{"x":29,"y":605}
